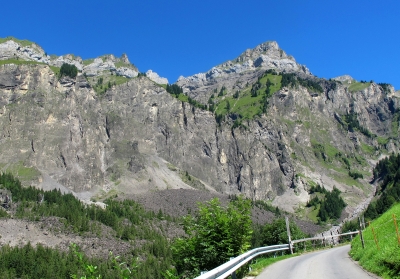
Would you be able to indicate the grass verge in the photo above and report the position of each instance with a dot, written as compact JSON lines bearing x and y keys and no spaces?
{"x":261,"y":263}
{"x":384,"y":261}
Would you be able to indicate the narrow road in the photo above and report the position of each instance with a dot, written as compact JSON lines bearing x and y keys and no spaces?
{"x":333,"y":263}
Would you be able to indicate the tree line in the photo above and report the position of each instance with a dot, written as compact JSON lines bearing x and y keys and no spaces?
{"x":291,"y":79}
{"x":387,"y":171}
{"x":213,"y":234}
{"x":331,"y":203}
{"x":129,"y":220}
{"x":353,"y":124}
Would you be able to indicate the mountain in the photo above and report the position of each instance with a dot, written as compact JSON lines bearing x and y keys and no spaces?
{"x":261,"y":125}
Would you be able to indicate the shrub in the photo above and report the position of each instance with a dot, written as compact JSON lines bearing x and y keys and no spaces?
{"x":68,"y":70}
{"x":213,"y":236}
{"x":356,"y":174}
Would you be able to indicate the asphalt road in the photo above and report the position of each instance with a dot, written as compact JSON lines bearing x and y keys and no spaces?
{"x":333,"y":263}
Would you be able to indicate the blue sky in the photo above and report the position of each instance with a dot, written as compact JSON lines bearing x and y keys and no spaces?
{"x":176,"y":37}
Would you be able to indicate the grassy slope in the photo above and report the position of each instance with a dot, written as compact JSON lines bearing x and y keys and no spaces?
{"x":384,"y":262}
{"x":56,"y":70}
{"x":20,"y":62}
{"x":103,"y":87}
{"x":21,"y":42}
{"x":247,"y":106}
{"x":358,"y":86}
{"x":88,"y":61}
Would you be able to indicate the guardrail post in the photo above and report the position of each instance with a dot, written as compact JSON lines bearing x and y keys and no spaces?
{"x":361,"y":235}
{"x":233,"y":275}
{"x":373,"y":232}
{"x":288,"y":233}
{"x":397,"y":229}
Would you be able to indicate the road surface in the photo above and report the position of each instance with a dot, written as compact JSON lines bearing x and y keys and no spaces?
{"x":333,"y":263}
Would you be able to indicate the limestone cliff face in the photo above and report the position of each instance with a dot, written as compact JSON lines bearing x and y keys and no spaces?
{"x":132,"y":138}
{"x":64,"y":130}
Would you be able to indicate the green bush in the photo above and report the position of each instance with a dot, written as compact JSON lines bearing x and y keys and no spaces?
{"x":214,"y":235}
{"x":174,"y":89}
{"x":276,"y":232}
{"x":68,"y":70}
{"x":356,"y":174}
{"x":331,"y":206}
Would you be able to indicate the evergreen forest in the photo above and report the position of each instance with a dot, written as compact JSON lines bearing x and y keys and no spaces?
{"x":212,"y":235}
{"x":387,"y":174}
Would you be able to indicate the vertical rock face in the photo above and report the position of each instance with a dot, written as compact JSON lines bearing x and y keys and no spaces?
{"x":133,"y":136}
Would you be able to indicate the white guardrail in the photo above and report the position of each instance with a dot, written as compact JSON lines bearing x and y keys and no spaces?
{"x":326,"y":237}
{"x":228,"y":268}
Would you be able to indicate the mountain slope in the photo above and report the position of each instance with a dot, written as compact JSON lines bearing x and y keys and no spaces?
{"x":132,"y":136}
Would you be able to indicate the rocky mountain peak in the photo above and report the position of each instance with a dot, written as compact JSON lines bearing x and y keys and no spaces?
{"x":124,"y":58}
{"x":265,"y":56}
{"x":156,"y":78}
{"x":345,"y":79}
{"x":12,"y":48}
{"x":270,"y":48}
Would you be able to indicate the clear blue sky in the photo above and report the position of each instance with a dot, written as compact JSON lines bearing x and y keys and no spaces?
{"x":177,"y":37}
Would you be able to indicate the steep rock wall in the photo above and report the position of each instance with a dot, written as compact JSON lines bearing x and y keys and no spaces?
{"x":85,"y":141}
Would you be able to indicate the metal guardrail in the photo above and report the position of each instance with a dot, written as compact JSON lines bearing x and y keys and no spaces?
{"x":323,"y":237}
{"x":228,"y":268}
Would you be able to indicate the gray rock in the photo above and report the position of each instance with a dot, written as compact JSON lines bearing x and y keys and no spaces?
{"x":345,"y":79}
{"x":12,"y":50}
{"x":156,"y":78}
{"x":125,"y":138}
{"x":98,"y":66}
{"x":126,"y":72}
{"x":265,"y":56}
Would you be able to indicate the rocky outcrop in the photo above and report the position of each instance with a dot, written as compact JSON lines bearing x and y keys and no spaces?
{"x":156,"y":78}
{"x":126,"y":72}
{"x":344,"y":79}
{"x":98,"y":66}
{"x":12,"y":49}
{"x":68,"y":59}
